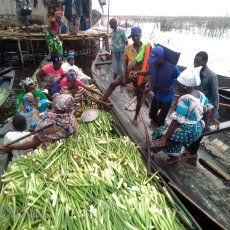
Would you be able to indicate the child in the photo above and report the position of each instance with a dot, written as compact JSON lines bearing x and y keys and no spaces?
{"x":19,"y":127}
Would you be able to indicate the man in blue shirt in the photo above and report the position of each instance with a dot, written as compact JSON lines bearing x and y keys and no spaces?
{"x":162,"y":76}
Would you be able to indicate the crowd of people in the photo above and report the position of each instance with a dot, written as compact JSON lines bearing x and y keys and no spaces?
{"x":153,"y":68}
{"x":57,"y":95}
{"x":148,"y":67}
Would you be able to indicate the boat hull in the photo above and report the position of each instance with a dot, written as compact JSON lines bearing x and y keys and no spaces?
{"x":204,"y":189}
{"x":6,"y":84}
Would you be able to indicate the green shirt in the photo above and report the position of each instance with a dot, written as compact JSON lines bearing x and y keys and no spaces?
{"x":20,"y":97}
{"x":118,"y":40}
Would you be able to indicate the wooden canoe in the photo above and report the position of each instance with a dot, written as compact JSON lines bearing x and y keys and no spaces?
{"x":6,"y":84}
{"x":224,"y":93}
{"x":205,"y":195}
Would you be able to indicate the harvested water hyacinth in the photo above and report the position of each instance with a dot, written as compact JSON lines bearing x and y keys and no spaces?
{"x":97,"y":181}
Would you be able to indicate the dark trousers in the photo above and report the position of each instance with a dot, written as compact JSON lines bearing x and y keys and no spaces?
{"x":156,"y":105}
{"x":193,"y":148}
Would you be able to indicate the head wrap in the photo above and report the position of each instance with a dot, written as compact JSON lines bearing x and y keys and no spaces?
{"x":56,"y":58}
{"x":71,"y":75}
{"x":190,"y":77}
{"x":58,"y":14}
{"x":69,"y":57}
{"x":62,"y":102}
{"x":25,"y":83}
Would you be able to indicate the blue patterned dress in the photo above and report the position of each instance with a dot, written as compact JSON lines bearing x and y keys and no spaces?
{"x":188,"y":114}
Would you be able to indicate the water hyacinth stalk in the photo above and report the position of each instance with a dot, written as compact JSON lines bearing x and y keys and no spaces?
{"x":94,"y":182}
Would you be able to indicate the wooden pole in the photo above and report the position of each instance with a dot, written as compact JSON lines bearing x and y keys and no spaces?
{"x":215,"y":170}
{"x":148,"y":157}
{"x":32,"y":50}
{"x":28,"y":135}
{"x":108,"y":17}
{"x":20,"y":53}
{"x":130,"y":103}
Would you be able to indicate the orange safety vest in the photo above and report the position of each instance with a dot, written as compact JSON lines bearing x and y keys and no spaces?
{"x":144,"y":67}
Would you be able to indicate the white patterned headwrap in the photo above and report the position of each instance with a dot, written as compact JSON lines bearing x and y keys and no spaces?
{"x":190,"y":77}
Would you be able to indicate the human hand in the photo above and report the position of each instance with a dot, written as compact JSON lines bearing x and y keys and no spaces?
{"x":161,"y":142}
{"x":132,"y":74}
{"x":3,"y":150}
{"x":91,"y":81}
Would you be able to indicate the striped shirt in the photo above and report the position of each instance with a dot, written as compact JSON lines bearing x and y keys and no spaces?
{"x":80,"y":95}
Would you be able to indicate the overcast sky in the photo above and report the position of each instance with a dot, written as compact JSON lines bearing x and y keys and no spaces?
{"x":168,"y":7}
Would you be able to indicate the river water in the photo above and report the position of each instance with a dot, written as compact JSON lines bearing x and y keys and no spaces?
{"x":187,"y":43}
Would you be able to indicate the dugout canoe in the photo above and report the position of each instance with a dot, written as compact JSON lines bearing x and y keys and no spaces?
{"x":6,"y":84}
{"x":224,"y":93}
{"x":205,"y":194}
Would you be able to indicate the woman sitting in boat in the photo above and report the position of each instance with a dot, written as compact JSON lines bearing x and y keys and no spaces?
{"x":31,"y":102}
{"x":79,"y":92}
{"x":69,"y":65}
{"x":72,"y":77}
{"x":186,"y":125}
{"x":64,"y":125}
{"x":51,"y":36}
{"x":50,"y":74}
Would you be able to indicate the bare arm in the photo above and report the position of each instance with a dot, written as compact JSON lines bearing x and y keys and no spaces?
{"x":92,"y":90}
{"x":109,"y":105}
{"x":163,"y":140}
{"x":24,"y":146}
{"x":40,"y":76}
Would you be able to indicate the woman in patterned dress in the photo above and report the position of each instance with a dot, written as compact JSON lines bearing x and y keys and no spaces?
{"x":186,"y":125}
{"x":64,"y":125}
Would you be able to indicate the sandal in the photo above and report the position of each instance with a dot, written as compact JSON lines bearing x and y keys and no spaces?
{"x":173,"y":160}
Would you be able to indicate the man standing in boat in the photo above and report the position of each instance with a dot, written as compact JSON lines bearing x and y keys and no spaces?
{"x":209,"y":87}
{"x":119,"y":41}
{"x":134,"y":56}
{"x":162,"y":76}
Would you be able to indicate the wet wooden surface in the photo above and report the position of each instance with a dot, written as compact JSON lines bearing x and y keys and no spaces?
{"x":203,"y":187}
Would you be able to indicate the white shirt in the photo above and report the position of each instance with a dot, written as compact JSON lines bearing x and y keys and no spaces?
{"x":13,"y":135}
{"x":81,"y":76}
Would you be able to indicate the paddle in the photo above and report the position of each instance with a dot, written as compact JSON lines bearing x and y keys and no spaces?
{"x":28,"y":135}
{"x":149,"y":173}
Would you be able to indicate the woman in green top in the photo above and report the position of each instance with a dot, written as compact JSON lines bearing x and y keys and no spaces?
{"x":31,"y":102}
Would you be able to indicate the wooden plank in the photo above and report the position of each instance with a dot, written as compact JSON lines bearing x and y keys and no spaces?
{"x":224,"y":126}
